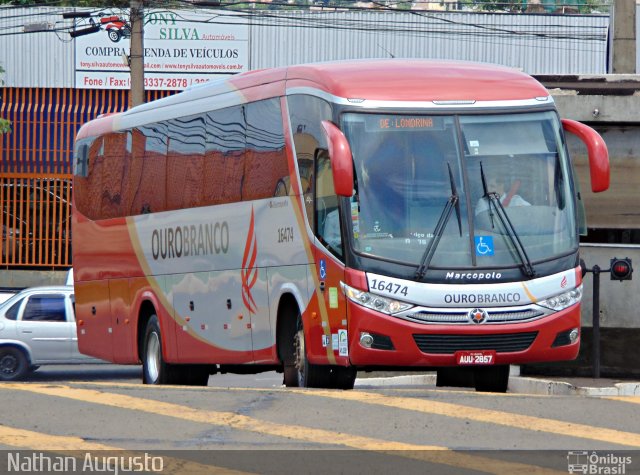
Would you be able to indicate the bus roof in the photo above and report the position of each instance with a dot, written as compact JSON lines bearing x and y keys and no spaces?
{"x":419,"y":80}
{"x":403,"y":80}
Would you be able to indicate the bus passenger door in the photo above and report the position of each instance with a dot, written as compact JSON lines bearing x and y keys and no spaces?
{"x":329,"y":257}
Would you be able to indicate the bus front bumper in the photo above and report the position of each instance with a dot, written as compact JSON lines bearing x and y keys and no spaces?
{"x":398,"y":342}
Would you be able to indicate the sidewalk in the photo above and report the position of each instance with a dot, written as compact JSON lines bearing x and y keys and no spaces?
{"x":525,"y":384}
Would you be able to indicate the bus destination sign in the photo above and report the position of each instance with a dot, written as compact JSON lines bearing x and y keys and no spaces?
{"x":402,"y":122}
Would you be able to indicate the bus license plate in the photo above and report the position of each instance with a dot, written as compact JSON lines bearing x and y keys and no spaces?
{"x":475,"y":357}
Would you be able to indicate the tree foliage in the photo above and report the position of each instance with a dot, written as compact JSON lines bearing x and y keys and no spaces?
{"x":549,"y":6}
{"x":5,"y":125}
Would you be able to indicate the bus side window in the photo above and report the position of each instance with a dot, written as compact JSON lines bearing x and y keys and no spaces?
{"x":306,"y":114}
{"x":327,"y":213}
{"x":224,"y":156}
{"x":265,"y":158}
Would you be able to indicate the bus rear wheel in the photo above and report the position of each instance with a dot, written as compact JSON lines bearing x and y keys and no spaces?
{"x":154,"y":369}
{"x":191,"y":375}
{"x":493,"y":379}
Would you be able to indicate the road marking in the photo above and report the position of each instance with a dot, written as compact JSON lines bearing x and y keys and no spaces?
{"x":218,"y":418}
{"x":79,"y":449}
{"x":26,"y":439}
{"x":490,"y":416}
{"x":426,"y":453}
{"x":631,"y":399}
{"x":507,"y":419}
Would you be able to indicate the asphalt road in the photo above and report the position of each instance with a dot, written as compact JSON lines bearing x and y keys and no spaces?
{"x":251,"y":424}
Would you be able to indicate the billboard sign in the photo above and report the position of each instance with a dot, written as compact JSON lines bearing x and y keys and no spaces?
{"x":181,"y":49}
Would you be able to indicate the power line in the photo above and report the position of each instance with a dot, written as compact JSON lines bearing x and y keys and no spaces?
{"x":327,"y":20}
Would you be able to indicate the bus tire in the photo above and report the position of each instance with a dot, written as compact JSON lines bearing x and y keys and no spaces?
{"x":343,"y":377}
{"x":287,"y":328}
{"x":455,"y":377}
{"x":493,"y":379}
{"x":309,"y":374}
{"x":192,"y":375}
{"x":154,"y":369}
{"x":13,"y":364}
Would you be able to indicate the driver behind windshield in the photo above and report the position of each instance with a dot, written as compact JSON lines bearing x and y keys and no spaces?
{"x":508,"y":193}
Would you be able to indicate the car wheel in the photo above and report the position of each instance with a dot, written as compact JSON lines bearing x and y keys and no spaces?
{"x":114,"y":35}
{"x":13,"y":364}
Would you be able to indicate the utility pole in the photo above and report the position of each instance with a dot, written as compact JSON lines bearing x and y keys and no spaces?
{"x":136,"y":58}
{"x":623,"y":19}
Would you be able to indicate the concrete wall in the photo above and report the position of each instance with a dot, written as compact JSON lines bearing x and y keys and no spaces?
{"x":619,"y":301}
{"x":20,"y":279}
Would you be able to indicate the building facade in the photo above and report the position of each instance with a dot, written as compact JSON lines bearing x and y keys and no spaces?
{"x":46,"y":104}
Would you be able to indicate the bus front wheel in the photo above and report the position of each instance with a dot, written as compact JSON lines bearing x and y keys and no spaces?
{"x":343,"y":377}
{"x":309,"y":374}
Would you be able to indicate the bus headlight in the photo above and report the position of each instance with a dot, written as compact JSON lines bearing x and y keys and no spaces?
{"x":563,"y":300}
{"x":375,"y":302}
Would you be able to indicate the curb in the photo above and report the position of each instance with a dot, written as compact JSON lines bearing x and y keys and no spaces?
{"x":405,"y":380}
{"x":517,"y":385}
{"x":562,"y":388}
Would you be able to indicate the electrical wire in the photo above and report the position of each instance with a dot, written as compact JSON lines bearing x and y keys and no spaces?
{"x":313,"y":19}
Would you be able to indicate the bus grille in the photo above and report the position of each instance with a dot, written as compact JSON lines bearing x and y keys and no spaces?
{"x":449,"y":344}
{"x":462,"y":317}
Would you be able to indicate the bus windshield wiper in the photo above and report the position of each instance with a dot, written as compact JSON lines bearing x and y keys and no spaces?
{"x":453,"y":202}
{"x":494,"y":199}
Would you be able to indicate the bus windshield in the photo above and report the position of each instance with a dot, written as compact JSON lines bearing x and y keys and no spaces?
{"x":509,"y":173}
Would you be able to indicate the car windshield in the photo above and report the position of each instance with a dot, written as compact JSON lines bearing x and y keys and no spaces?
{"x":408,"y":166}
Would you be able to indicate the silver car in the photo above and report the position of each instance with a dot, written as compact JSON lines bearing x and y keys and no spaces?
{"x":38,"y":327}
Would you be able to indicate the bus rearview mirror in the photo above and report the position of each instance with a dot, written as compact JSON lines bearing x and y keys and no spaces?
{"x":341,"y":161}
{"x":597,"y":151}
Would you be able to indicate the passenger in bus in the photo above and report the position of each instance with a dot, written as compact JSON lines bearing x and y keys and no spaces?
{"x":383,"y":188}
{"x":508,"y":198}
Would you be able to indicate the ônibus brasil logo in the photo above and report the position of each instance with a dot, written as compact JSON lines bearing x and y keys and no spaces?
{"x":581,"y":461}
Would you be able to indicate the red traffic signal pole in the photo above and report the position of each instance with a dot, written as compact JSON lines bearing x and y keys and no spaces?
{"x":595,"y":348}
{"x":620,"y":269}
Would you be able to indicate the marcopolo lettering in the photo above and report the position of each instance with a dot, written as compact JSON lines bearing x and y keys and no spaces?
{"x":473,"y":275}
{"x":509,"y":297}
{"x":192,"y":240}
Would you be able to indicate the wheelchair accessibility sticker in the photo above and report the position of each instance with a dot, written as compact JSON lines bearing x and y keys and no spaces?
{"x":484,"y":245}
{"x":323,"y":269}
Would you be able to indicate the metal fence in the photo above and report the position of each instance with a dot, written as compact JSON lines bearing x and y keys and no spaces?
{"x":36,"y":169}
{"x":36,"y":225}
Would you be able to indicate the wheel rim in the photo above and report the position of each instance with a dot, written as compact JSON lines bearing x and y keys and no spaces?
{"x":153,"y":357}
{"x":9,"y":365}
{"x":301,"y":357}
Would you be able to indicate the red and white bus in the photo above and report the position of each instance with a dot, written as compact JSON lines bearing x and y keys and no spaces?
{"x":326,"y":218}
